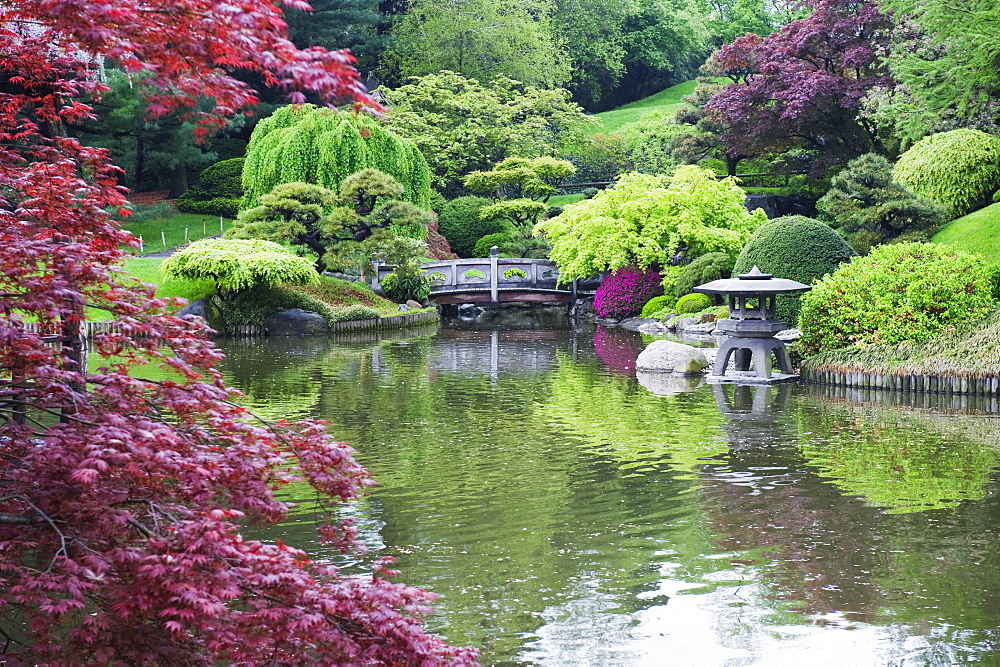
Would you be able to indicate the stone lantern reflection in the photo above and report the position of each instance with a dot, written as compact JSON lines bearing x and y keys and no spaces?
{"x":750,"y":328}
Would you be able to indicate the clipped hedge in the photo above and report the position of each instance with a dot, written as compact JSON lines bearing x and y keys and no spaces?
{"x":657,"y":304}
{"x":221,"y":206}
{"x":900,"y":292}
{"x":218,"y":192}
{"x":459,"y":222}
{"x":483,"y":245}
{"x":694,"y":302}
{"x":958,"y":169}
{"x":797,"y":248}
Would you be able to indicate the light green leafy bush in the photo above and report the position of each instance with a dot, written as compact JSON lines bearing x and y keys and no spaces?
{"x":657,"y":304}
{"x":797,"y":248}
{"x":900,"y":292}
{"x":236,"y":265}
{"x":693,"y":303}
{"x":958,"y":168}
{"x":406,"y":282}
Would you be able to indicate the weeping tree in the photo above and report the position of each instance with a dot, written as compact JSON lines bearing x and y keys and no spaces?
{"x":367,"y":214}
{"x":308,"y":144}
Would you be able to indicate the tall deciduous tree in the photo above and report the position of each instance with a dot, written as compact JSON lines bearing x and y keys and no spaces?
{"x":462,"y":125}
{"x":121,"y":497}
{"x":481,"y":39}
{"x":802,"y":86}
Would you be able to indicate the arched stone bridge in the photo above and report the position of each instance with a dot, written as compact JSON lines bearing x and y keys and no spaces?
{"x":493,"y":280}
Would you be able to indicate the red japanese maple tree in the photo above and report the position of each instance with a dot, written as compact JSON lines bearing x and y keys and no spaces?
{"x":802,"y":86}
{"x":121,"y":498}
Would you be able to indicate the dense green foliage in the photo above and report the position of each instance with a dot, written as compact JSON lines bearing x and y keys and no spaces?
{"x":252,"y":306}
{"x":650,"y":221}
{"x":706,"y":268}
{"x":355,"y":312}
{"x":796,"y":248}
{"x":899,"y":292}
{"x":657,"y":304}
{"x":867,"y":207}
{"x":694,"y":302}
{"x":238,"y":265}
{"x":483,"y":245}
{"x":406,"y":282}
{"x":461,"y":125}
{"x":219,"y":190}
{"x":304,"y":143}
{"x":958,"y":169}
{"x":459,"y":222}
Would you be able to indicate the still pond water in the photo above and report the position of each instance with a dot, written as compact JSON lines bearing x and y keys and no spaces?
{"x":571,"y":514}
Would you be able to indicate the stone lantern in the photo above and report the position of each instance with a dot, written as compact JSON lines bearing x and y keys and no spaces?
{"x":751,"y":326}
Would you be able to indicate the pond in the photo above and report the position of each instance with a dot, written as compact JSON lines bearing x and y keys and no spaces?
{"x":569,"y":513}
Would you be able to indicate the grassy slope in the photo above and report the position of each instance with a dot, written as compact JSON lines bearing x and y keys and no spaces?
{"x":977,"y":232}
{"x":173,"y":229}
{"x":666,"y":101}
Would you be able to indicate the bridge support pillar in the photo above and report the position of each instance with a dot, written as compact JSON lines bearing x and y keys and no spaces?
{"x":494,"y":278}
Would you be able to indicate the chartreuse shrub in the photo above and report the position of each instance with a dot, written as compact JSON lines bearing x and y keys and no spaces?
{"x":459,"y":222}
{"x":957,"y":168}
{"x":867,"y":207}
{"x":219,"y":190}
{"x":237,"y":265}
{"x":899,"y":292}
{"x":658,"y":304}
{"x":694,"y":302}
{"x":797,"y":248}
{"x":309,"y":144}
{"x":624,"y":292}
{"x":704,"y":269}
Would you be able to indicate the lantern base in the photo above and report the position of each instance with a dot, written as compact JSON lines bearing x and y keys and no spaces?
{"x":750,"y":377}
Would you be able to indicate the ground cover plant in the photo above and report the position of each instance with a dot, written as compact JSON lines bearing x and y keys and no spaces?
{"x":796,"y":248}
{"x":899,"y":292}
{"x":121,"y":535}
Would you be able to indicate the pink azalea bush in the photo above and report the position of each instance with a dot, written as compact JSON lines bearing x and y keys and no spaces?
{"x":623,"y":292}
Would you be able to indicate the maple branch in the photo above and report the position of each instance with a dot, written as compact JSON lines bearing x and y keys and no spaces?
{"x":14,"y":519}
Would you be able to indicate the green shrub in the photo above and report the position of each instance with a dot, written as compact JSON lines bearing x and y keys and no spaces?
{"x":900,"y":292}
{"x":693,"y":303}
{"x":706,"y":268}
{"x":221,"y":206}
{"x":406,"y":282}
{"x":958,"y":169}
{"x":252,"y":306}
{"x":147,"y":212}
{"x":793,"y":247}
{"x":996,"y":197}
{"x":356,"y":312}
{"x":459,"y":222}
{"x":657,"y":304}
{"x":867,"y":207}
{"x":483,"y":245}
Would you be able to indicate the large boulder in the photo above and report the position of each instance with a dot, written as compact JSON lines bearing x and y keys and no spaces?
{"x":296,"y":322}
{"x":665,"y":356}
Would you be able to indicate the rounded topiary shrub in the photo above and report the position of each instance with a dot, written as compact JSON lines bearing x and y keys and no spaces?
{"x":458,"y":221}
{"x":958,"y":169}
{"x":704,"y":269}
{"x":483,"y":245}
{"x":656,"y":304}
{"x":793,"y":247}
{"x":219,"y":190}
{"x":693,"y":303}
{"x":624,"y":292}
{"x":900,"y":292}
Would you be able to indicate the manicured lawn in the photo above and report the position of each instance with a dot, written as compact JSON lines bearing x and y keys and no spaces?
{"x":977,"y":232}
{"x":666,"y":101}
{"x":562,"y":200}
{"x":172,"y":229}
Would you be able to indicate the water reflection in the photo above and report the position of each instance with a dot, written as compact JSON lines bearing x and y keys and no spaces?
{"x":569,"y":515}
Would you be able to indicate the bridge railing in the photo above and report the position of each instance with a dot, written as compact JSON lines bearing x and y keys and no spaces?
{"x":490,"y":274}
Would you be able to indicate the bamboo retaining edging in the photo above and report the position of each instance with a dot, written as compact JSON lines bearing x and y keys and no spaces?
{"x":937,"y":383}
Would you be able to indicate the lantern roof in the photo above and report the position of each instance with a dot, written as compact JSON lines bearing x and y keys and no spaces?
{"x":751,"y":284}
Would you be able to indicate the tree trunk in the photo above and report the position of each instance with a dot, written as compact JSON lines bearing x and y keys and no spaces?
{"x":178,"y":181}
